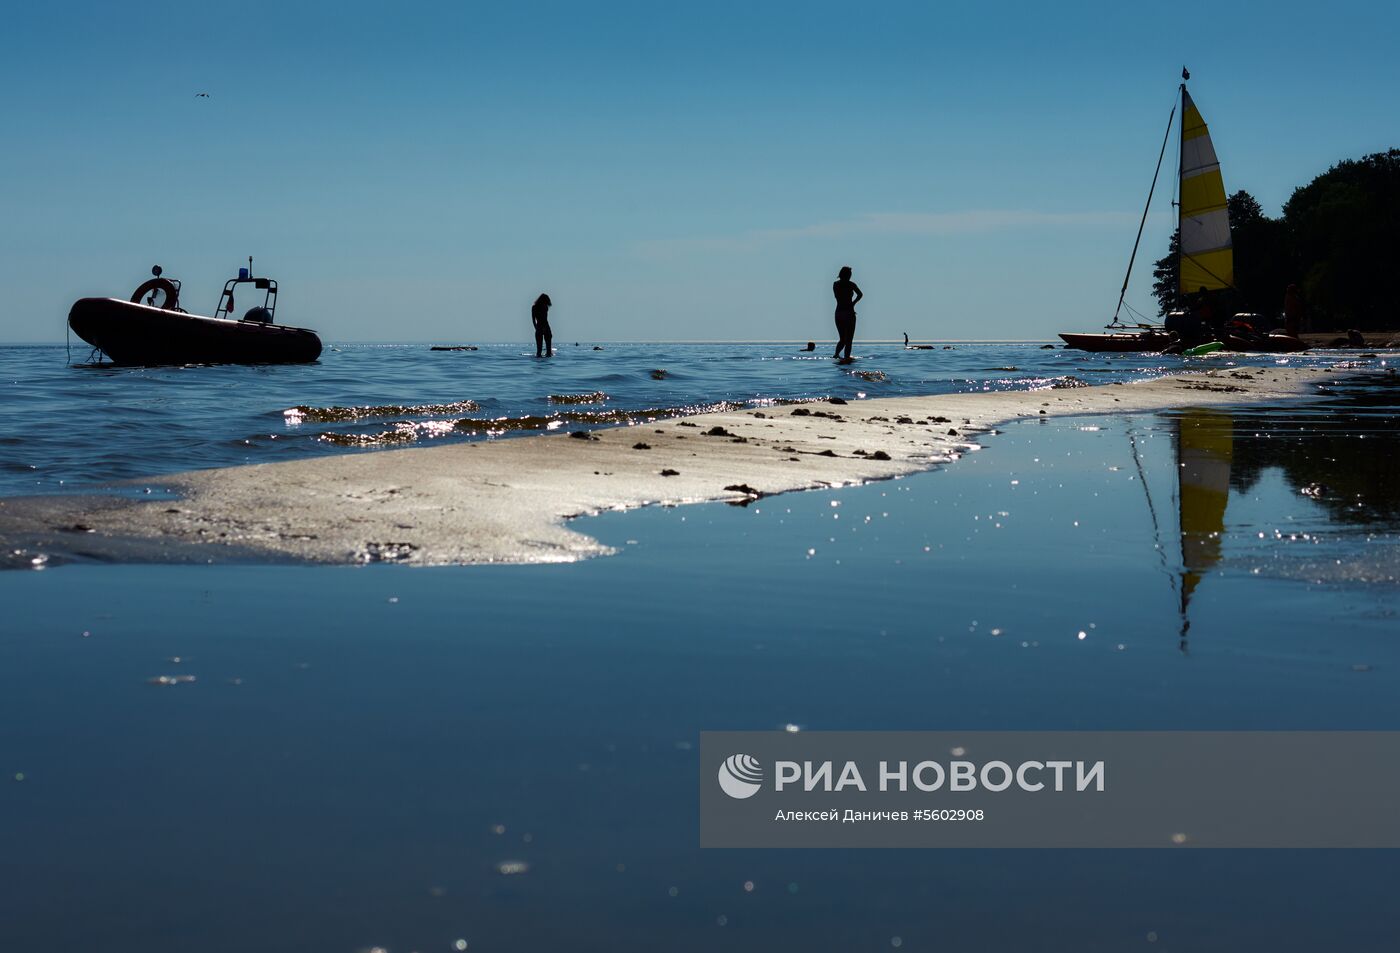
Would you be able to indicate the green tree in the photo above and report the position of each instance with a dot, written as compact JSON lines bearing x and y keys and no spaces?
{"x":1165,"y":275}
{"x":1343,"y":229}
{"x":1262,"y":257}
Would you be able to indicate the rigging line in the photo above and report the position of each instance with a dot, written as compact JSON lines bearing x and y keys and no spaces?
{"x":1123,"y":292}
{"x":1152,"y":511}
{"x":1183,"y":596}
{"x":1136,"y":313}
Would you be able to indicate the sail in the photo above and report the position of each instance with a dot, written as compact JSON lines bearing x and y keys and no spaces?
{"x":1207,"y":260}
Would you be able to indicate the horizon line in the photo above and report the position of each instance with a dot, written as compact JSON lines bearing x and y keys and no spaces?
{"x":525,"y":342}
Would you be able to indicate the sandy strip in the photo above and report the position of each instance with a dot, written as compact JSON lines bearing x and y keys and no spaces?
{"x":508,"y":500}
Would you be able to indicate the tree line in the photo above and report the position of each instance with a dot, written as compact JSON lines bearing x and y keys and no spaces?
{"x":1338,"y":240}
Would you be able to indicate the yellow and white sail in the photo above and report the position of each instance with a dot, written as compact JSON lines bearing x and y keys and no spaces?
{"x":1207,"y":258}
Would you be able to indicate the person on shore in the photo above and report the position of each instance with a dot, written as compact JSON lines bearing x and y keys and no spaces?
{"x":1205,"y":313}
{"x":1192,"y":325}
{"x":1292,"y":311}
{"x":847,"y":295}
{"x":544,"y":337}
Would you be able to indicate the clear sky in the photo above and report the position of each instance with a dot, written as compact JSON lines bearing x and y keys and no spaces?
{"x":666,"y":171}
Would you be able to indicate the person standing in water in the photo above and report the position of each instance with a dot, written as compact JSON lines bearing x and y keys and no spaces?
{"x":1293,"y":311}
{"x":847,"y":294}
{"x":544,"y":337}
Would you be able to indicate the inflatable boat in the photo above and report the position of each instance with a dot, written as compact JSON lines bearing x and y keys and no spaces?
{"x":152,"y":328}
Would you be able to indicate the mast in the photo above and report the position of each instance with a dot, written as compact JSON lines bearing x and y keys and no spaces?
{"x":1123,"y":292}
{"x":1180,"y":164}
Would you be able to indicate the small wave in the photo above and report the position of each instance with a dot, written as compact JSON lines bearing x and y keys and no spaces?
{"x":597,"y":397}
{"x":295,"y":415}
{"x":500,"y":425}
{"x":401,"y":431}
{"x":367,"y":439}
{"x":406,"y":431}
{"x":1062,"y":382}
{"x":871,"y":376}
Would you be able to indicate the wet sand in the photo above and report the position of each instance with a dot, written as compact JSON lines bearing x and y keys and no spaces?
{"x":509,"y":500}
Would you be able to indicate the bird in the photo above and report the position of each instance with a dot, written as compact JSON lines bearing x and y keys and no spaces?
{"x":201,"y":96}
{"x":1185,"y":73}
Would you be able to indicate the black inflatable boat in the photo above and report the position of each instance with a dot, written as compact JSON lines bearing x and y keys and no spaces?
{"x":152,"y":328}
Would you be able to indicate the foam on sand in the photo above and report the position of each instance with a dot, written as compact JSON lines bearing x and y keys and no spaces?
{"x":509,"y":500}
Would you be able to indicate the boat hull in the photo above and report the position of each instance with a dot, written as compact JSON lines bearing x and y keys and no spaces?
{"x":1265,"y":344}
{"x":1123,"y":342}
{"x":138,"y":334}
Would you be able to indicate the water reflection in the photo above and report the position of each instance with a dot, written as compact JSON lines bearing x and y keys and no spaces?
{"x":1337,"y":455}
{"x":1205,"y":441}
{"x":1341,"y":453}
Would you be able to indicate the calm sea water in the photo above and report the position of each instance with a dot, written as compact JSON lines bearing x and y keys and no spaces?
{"x":364,"y":751}
{"x":64,"y":427}
{"x":505,"y":756}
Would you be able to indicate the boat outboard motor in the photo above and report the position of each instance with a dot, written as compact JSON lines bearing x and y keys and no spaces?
{"x":260,"y":315}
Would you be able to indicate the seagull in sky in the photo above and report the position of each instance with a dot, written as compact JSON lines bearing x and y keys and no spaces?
{"x":201,"y":95}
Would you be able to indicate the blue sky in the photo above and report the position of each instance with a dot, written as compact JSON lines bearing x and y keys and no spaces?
{"x":664,"y":170}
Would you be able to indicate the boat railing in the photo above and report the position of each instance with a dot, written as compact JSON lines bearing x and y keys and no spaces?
{"x":227,"y":302}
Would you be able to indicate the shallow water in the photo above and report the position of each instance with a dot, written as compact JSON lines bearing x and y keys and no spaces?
{"x":367,"y":755}
{"x":64,"y":428}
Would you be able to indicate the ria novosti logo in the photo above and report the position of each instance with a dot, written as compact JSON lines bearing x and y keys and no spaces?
{"x":740,"y":776}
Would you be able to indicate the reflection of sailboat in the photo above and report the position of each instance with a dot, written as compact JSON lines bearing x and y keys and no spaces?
{"x":1206,"y":256}
{"x":1204,"y":451}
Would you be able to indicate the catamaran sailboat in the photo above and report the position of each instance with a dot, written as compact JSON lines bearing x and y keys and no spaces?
{"x":1206,"y":255}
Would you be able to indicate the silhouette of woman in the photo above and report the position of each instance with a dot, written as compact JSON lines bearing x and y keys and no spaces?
{"x":539,"y":316}
{"x":847,"y":294}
